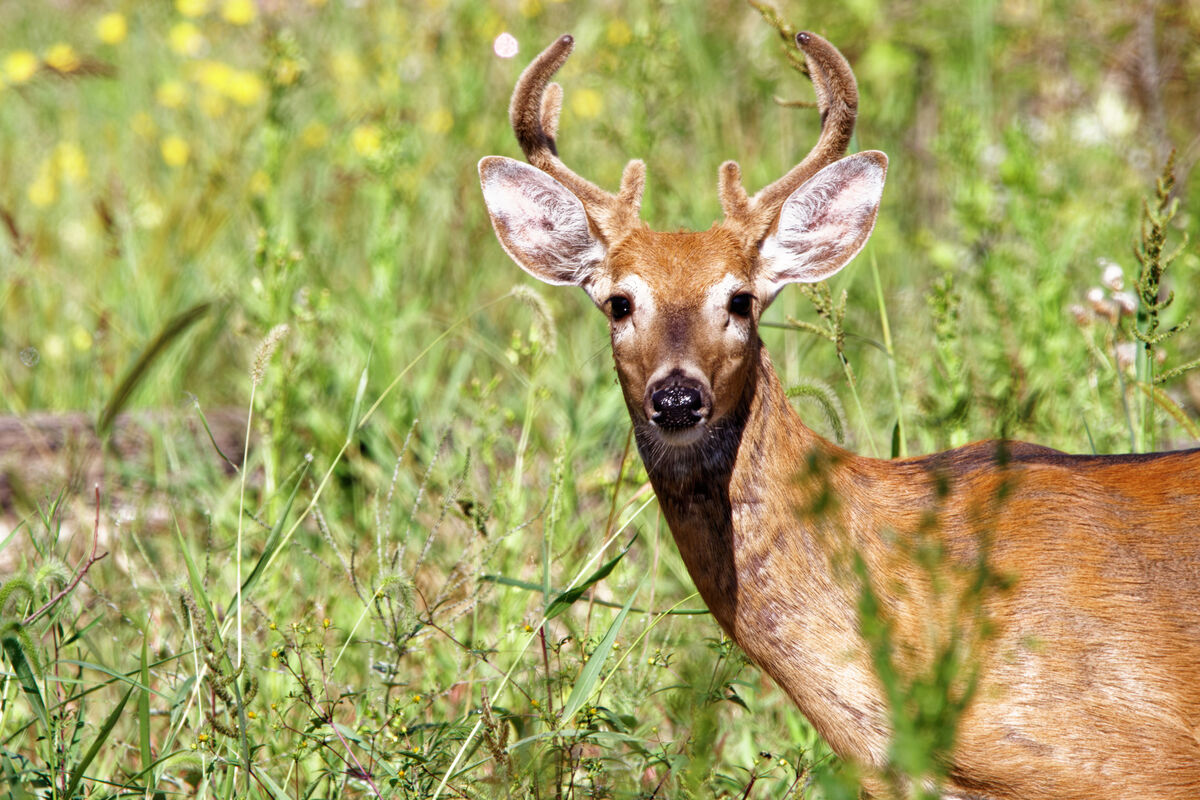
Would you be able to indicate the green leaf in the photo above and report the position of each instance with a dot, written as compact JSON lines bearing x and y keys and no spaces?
{"x":138,"y":370}
{"x":565,"y":599}
{"x":196,"y":580}
{"x":358,"y":401}
{"x":33,"y":692}
{"x":101,"y":738}
{"x":144,"y":709}
{"x":274,"y":788}
{"x":590,"y":673}
{"x":274,"y":537}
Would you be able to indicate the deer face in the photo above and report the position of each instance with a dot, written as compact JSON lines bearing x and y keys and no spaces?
{"x":682,"y":313}
{"x":683,"y":308}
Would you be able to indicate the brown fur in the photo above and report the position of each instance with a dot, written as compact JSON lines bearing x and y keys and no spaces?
{"x":1066,"y":588}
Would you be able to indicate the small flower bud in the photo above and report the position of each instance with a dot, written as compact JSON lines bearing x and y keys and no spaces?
{"x":1126,"y":354}
{"x":1080,"y":315}
{"x":1126,"y":302}
{"x":1099,"y":303}
{"x":1111,"y":275}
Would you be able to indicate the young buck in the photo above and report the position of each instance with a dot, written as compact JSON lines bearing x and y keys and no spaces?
{"x":1065,"y":590}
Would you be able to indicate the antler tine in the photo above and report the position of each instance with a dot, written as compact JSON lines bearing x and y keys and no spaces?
{"x":534,"y":112}
{"x":837,"y":100}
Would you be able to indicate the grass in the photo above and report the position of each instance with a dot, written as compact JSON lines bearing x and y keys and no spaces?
{"x":381,"y":601}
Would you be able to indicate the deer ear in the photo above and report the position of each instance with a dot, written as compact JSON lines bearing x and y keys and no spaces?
{"x":824,"y":223}
{"x":540,"y":223}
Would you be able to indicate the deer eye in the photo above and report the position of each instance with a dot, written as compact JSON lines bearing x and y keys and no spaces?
{"x":619,"y":306}
{"x":740,"y":304}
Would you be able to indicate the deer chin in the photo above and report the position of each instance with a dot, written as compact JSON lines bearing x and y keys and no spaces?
{"x":680,"y":437}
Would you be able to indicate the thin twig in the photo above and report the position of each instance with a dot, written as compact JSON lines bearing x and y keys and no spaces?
{"x":92,"y":559}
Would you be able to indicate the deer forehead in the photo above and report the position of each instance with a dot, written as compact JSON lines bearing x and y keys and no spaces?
{"x":688,"y":269}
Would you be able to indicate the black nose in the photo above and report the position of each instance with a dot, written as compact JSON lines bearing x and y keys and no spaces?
{"x":676,"y":407}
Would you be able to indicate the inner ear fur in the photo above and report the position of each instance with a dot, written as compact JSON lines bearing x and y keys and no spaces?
{"x":539,"y":222}
{"x":825,"y":223}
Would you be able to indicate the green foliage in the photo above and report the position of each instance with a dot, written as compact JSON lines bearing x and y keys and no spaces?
{"x":270,"y":211}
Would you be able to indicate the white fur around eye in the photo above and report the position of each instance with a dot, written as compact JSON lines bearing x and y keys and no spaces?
{"x":641,"y":299}
{"x":717,"y":297}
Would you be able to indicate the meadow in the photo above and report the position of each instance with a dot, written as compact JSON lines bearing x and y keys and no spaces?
{"x":428,"y":564}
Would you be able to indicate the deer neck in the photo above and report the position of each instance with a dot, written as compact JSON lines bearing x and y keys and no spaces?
{"x":745,"y":508}
{"x":726,"y":497}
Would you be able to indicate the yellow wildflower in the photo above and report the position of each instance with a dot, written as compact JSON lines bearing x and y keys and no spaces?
{"x":438,"y":121}
{"x":239,"y":12}
{"x":619,"y":33}
{"x":112,"y":28}
{"x":314,"y":135}
{"x":530,"y":8}
{"x":71,"y":162}
{"x":244,"y":88}
{"x":81,"y":339}
{"x":175,"y":151}
{"x":20,"y":66}
{"x":44,"y":189}
{"x":63,"y":57}
{"x":346,"y":67}
{"x":587,"y":103}
{"x":185,"y":39}
{"x":215,"y":75}
{"x":367,"y":140}
{"x":192,"y":8}
{"x":287,"y":71}
{"x":171,"y":94}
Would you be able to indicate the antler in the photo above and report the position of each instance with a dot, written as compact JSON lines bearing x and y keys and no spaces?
{"x":534,"y":116}
{"x":837,"y":100}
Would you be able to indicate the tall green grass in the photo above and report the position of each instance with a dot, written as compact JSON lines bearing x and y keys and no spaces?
{"x":386,"y":598}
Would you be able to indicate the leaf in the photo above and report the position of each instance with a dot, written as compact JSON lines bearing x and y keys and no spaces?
{"x":274,"y":537}
{"x":517,"y":583}
{"x":565,"y":599}
{"x":196,"y":581}
{"x":144,"y":708}
{"x":99,"y":741}
{"x":138,"y":370}
{"x":274,"y":788}
{"x":590,"y":673}
{"x":33,"y":692}
{"x":358,"y":401}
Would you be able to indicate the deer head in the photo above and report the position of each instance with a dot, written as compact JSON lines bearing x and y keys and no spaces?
{"x":683,"y":307}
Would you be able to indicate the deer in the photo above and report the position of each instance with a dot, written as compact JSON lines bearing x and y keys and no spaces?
{"x":1080,"y":659}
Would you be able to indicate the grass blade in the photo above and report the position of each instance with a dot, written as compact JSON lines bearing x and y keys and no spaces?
{"x":564,"y":600}
{"x":358,"y":400}
{"x":144,"y":709}
{"x":175,"y":326}
{"x":101,"y":738}
{"x":590,"y":673}
{"x":275,"y":537}
{"x":33,"y":692}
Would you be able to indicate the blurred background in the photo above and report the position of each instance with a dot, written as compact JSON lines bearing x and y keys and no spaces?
{"x":253,"y":230}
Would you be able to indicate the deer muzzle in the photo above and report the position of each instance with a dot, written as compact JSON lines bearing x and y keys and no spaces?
{"x":677,"y":404}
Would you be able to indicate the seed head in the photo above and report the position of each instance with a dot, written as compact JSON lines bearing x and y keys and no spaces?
{"x":265,"y":351}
